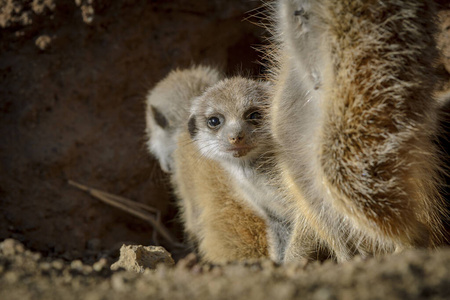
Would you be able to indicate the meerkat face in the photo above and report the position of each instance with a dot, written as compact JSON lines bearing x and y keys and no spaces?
{"x":228,"y":122}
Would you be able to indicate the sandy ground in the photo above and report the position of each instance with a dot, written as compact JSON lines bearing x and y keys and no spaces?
{"x":414,"y":274}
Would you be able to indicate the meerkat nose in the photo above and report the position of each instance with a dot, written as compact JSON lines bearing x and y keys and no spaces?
{"x":236,"y":138}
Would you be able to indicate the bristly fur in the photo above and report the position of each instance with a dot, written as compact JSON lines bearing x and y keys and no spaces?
{"x":217,"y":217}
{"x":354,"y":117}
{"x":250,"y":174}
{"x":222,"y":228}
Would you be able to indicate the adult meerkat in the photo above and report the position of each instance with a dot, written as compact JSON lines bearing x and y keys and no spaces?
{"x":229,"y":128}
{"x":167,"y":108}
{"x":356,"y":131}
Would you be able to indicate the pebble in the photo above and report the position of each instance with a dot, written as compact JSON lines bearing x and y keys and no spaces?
{"x":43,"y":42}
{"x":76,"y":265}
{"x":100,"y":265}
{"x":137,"y":258}
{"x":45,"y":266}
{"x":87,"y":269}
{"x":58,"y":264}
{"x":11,"y":247}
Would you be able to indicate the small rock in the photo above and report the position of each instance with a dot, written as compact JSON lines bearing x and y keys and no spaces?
{"x":58,"y":264}
{"x":76,"y":265}
{"x":87,"y":12}
{"x":137,"y":258}
{"x":100,"y":265}
{"x":11,"y":247}
{"x":45,"y":266}
{"x":43,"y":42}
{"x":35,"y":256}
{"x":87,"y":269}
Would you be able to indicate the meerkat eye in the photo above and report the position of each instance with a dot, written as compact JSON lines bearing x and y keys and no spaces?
{"x":213,"y":122}
{"x":255,"y":116}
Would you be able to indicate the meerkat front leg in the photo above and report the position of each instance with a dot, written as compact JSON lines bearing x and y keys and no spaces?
{"x":279,"y":236}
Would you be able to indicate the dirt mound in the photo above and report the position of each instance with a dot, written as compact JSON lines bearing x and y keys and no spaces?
{"x":412,"y":275}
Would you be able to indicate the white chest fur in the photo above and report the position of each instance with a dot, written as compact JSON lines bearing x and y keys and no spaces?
{"x":258,"y":191}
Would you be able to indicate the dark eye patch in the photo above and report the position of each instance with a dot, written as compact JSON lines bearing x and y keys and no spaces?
{"x":192,"y":127}
{"x":253,"y":115}
{"x":160,"y":119}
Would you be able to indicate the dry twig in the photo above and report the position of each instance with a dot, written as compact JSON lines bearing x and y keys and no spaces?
{"x":135,"y":208}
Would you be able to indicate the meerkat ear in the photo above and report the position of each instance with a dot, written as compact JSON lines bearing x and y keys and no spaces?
{"x":192,"y":127}
{"x":160,"y":119}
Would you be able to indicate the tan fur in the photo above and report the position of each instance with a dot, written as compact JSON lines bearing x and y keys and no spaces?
{"x":171,"y":99}
{"x":222,"y":228}
{"x":242,"y":145}
{"x":215,"y":218}
{"x":355,"y":118}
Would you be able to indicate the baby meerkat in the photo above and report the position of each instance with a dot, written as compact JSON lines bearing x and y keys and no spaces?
{"x":167,"y":108}
{"x":354,"y":117}
{"x":239,"y":234}
{"x":228,"y":125}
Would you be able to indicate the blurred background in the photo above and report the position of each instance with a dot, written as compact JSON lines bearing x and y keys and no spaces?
{"x":73,"y":79}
